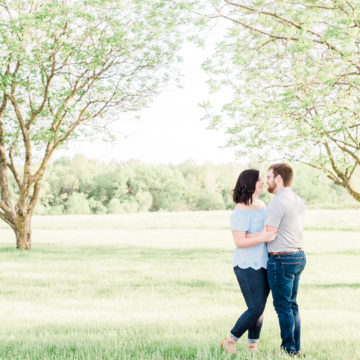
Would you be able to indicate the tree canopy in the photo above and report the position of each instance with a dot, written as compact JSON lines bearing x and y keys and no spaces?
{"x":66,"y":69}
{"x":293,"y":71}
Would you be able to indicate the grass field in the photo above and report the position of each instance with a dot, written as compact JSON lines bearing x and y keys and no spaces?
{"x":161,"y":286}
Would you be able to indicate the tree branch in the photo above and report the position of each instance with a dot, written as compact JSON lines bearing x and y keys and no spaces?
{"x":11,"y":166}
{"x":5,"y":217}
{"x":279,"y":37}
{"x":269,"y":13}
{"x":41,"y":170}
{"x":344,"y":149}
{"x":21,"y":122}
{"x":34,"y":197}
{"x":288,"y":21}
{"x":36,"y":112}
{"x":91,"y":79}
{"x":11,"y":18}
{"x":352,"y":171}
{"x":7,"y":209}
{"x":332,"y":162}
{"x":48,"y":77}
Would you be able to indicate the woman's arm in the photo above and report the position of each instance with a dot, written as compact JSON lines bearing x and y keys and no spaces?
{"x":255,"y":234}
{"x":267,"y":228}
{"x":243,"y":240}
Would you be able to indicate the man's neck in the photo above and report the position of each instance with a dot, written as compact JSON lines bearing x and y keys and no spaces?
{"x":279,"y":187}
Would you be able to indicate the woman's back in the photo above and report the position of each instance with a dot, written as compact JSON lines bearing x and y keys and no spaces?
{"x":250,"y":220}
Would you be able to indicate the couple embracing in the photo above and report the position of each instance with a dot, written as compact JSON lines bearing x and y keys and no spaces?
{"x":268,"y":255}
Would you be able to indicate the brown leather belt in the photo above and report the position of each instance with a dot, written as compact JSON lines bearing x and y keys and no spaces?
{"x":284,"y":252}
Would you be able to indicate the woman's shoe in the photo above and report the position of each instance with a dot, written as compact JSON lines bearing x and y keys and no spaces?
{"x":229,"y":345}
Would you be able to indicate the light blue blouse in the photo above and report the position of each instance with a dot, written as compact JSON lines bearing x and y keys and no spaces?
{"x":251,"y":221}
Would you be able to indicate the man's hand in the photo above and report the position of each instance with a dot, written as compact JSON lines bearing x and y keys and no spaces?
{"x":270,"y":228}
{"x":269,"y":233}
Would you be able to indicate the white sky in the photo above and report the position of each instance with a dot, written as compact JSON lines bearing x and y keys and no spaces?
{"x":170,"y":130}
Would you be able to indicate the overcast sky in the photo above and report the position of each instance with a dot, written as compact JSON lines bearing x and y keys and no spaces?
{"x":170,"y":130}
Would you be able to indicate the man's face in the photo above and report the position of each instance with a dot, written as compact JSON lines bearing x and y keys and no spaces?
{"x":270,"y":181}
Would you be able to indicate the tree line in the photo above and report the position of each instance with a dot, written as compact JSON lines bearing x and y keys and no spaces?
{"x":86,"y":186}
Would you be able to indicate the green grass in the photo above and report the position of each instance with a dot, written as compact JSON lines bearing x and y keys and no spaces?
{"x":344,"y":220}
{"x":161,"y":286}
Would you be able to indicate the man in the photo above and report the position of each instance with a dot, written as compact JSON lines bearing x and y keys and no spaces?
{"x":285,"y":214}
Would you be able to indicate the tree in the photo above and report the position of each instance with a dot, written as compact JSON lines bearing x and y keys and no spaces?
{"x":78,"y":204}
{"x":293,"y":71}
{"x":114,"y":206}
{"x":144,"y":200}
{"x":163,"y":186}
{"x":67,"y":68}
{"x":210,"y":201}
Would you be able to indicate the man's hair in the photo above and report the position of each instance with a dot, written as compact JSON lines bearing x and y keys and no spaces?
{"x":285,"y":171}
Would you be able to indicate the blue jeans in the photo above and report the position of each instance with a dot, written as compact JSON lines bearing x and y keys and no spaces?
{"x":255,"y":289}
{"x":283,"y":276}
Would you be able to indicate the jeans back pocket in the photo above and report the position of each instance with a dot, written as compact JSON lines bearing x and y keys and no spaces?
{"x":290,"y":269}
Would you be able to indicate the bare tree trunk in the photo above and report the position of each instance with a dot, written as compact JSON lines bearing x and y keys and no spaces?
{"x":23,"y":231}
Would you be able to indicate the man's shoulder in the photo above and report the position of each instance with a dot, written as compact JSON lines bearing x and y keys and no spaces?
{"x":284,"y":198}
{"x":288,"y":194}
{"x":301,"y":202}
{"x":275,"y":201}
{"x":298,"y":197}
{"x":291,"y":200}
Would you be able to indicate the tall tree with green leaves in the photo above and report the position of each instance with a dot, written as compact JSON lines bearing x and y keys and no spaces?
{"x":66,"y":69}
{"x":292,"y":70}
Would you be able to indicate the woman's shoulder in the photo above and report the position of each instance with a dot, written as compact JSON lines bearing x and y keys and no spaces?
{"x":259,"y":205}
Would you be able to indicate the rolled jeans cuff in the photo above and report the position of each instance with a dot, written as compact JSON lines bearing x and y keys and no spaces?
{"x":234,"y":337}
{"x":253,"y":341}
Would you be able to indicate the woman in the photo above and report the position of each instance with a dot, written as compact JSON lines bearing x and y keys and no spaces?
{"x":250,"y":257}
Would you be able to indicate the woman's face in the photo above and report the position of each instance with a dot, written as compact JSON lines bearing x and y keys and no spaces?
{"x":259,"y":187}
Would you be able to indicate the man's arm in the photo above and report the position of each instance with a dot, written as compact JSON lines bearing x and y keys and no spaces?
{"x":274,"y":214}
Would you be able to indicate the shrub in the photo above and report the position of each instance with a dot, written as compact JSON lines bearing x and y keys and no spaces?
{"x":78,"y":204}
{"x":114,"y":206}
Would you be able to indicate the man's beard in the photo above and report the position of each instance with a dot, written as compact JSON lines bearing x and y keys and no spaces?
{"x":271,"y":187}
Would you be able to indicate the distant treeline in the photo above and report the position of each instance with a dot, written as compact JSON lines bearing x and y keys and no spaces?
{"x":84,"y":186}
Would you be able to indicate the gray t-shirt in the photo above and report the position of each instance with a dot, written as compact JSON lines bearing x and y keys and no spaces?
{"x":286,"y":212}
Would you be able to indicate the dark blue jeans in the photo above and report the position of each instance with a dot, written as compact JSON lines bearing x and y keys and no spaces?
{"x":255,"y":289}
{"x":284,"y":275}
